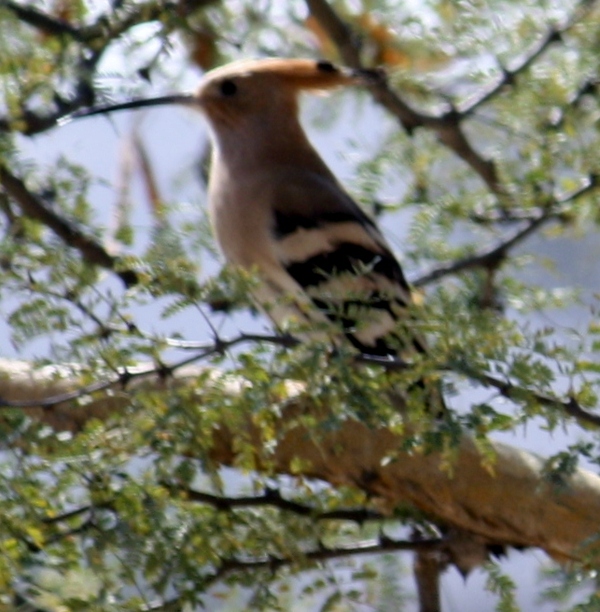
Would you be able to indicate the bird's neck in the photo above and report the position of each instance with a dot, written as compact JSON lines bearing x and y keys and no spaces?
{"x":265,"y":144}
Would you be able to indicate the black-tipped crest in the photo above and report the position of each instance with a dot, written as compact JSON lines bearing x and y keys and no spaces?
{"x":326,"y":66}
{"x":188,"y":99}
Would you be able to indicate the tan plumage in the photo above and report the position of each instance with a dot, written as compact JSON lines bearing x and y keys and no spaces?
{"x":276,"y":207}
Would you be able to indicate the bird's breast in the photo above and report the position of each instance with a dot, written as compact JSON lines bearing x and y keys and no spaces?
{"x":240,"y":215}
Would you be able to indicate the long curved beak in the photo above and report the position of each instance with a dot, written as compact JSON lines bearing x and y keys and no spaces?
{"x":188,"y":99}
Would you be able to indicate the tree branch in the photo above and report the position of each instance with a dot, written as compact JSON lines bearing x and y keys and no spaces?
{"x":427,"y":567}
{"x":93,"y":40}
{"x":516,"y":393}
{"x":59,"y":394}
{"x":493,"y":257}
{"x":34,"y":207}
{"x":509,"y":75}
{"x":125,"y":376}
{"x":588,"y":87}
{"x":273,"y":563}
{"x":272,"y":498}
{"x":43,"y":21}
{"x":506,"y":388}
{"x":489,"y":258}
{"x":446,"y":126}
{"x":471,"y":497}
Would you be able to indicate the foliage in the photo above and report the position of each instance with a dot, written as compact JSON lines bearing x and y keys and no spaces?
{"x":492,"y":146}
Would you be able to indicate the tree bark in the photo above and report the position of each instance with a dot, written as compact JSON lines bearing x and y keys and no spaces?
{"x":510,"y":502}
{"x":427,"y":567}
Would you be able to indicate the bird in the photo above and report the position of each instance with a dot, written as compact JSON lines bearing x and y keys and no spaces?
{"x":278,"y":210}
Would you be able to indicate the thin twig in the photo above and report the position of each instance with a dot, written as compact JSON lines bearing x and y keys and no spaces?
{"x":517,"y":393}
{"x":446,"y":126}
{"x":509,"y":75}
{"x":127,"y":375}
{"x":506,"y":388}
{"x":488,"y":258}
{"x":272,"y":498}
{"x":322,"y":553}
{"x":493,"y":257}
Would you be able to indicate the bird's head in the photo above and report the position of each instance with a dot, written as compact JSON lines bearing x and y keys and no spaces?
{"x":259,"y":79}
{"x":256,"y":87}
{"x":265,"y":88}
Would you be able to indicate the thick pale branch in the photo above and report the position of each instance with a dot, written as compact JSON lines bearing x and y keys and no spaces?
{"x":64,"y":388}
{"x":56,"y":396}
{"x":509,"y":502}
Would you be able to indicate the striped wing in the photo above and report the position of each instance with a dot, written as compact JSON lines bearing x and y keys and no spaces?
{"x":335,"y":252}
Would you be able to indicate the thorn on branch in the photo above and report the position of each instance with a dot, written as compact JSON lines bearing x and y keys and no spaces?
{"x":125,"y":378}
{"x":555,"y":36}
{"x":164,"y":372}
{"x":508,"y":78}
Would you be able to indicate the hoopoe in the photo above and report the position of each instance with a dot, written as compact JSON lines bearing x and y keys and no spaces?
{"x":277,"y":208}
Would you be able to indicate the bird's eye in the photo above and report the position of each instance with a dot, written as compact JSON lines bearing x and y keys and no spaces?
{"x":228,"y":88}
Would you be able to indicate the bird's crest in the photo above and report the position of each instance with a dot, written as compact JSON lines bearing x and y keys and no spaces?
{"x":300,"y":74}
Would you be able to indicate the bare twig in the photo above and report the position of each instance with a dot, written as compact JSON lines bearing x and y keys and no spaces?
{"x":509,"y":75}
{"x":506,"y":388}
{"x":517,"y":393}
{"x":93,"y":39}
{"x":171,"y":605}
{"x":322,"y":553}
{"x":124,"y":376}
{"x":492,"y":258}
{"x":29,"y":122}
{"x":588,"y":87}
{"x":273,"y":563}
